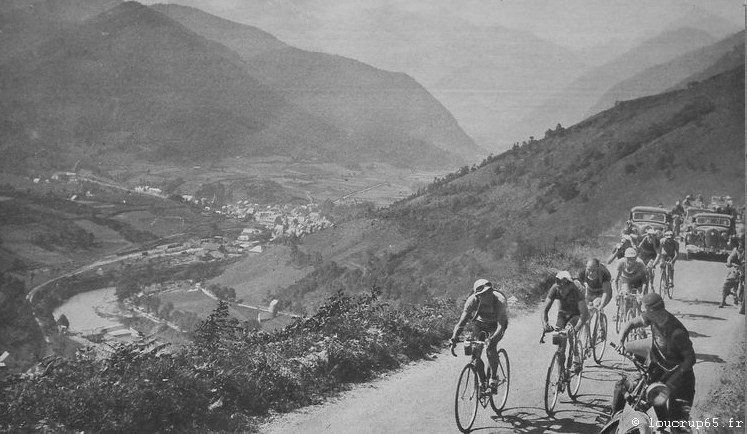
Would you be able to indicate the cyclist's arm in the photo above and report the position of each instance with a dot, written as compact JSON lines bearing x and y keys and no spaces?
{"x":502,"y":323}
{"x":607,"y":294}
{"x":467,"y":313}
{"x":733,"y":258}
{"x":584,"y":310}
{"x":545,"y":310}
{"x":682,"y":344}
{"x":629,"y":325}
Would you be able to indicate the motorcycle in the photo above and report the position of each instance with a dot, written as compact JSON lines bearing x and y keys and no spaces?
{"x":636,"y":396}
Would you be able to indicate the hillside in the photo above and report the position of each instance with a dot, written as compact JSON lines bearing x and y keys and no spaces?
{"x":695,"y":65}
{"x":131,"y":84}
{"x":568,"y":187}
{"x":574,"y":102}
{"x":386,"y":116}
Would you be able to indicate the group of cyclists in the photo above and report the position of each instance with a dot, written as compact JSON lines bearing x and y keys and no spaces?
{"x":668,"y":344}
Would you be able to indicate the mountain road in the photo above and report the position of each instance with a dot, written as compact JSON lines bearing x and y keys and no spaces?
{"x":420,"y":397}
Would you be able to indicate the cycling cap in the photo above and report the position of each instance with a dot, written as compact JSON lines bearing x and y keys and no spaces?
{"x":564,"y":275}
{"x":669,"y":234}
{"x":630,"y":253}
{"x":481,"y":285}
{"x":653,"y":301}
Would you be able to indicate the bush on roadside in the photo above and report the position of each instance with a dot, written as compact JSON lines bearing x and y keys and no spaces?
{"x":228,"y":376}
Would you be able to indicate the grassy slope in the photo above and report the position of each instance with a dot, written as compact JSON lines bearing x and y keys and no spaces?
{"x":574,"y":185}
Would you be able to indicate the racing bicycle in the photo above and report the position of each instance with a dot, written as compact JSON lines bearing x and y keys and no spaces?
{"x":596,"y":335}
{"x":473,"y":389}
{"x":560,"y":376}
{"x":666,"y":281}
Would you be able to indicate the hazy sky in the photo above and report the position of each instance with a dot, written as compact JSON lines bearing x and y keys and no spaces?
{"x":572,"y":23}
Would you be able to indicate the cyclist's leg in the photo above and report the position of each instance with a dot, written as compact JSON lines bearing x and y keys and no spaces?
{"x":492,"y":352}
{"x":640,"y":348}
{"x":729,"y":284}
{"x":561,"y":323}
{"x":477,"y":333}
{"x":573,"y":356}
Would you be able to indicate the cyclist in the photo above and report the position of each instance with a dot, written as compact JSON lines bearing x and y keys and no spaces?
{"x":678,"y":213}
{"x":631,"y":273}
{"x":735,"y":262}
{"x":669,"y":346}
{"x":688,"y":202}
{"x":572,"y":311}
{"x":647,"y":251}
{"x":670,"y":249}
{"x":487,"y":311}
{"x":597,"y":281}
{"x":619,"y":251}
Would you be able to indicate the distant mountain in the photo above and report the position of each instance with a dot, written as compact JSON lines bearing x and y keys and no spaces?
{"x":574,"y":102}
{"x":698,"y":18}
{"x":385,"y":115}
{"x":695,"y":65}
{"x":131,"y":82}
{"x":573,"y":185}
{"x":488,"y":77}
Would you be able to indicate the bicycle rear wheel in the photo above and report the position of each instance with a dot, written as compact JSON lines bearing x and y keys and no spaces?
{"x":599,"y":336}
{"x":503,"y":375}
{"x":552,"y":384}
{"x":574,"y":378}
{"x":467,"y":398}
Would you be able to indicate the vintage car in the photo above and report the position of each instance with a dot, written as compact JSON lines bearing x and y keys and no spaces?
{"x":709,"y":234}
{"x":643,"y":218}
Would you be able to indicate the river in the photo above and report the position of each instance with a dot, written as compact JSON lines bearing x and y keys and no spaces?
{"x":90,"y":310}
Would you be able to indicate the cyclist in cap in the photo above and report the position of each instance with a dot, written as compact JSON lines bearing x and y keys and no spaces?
{"x":486,"y":309}
{"x":572,"y":311}
{"x":648,"y":248}
{"x":670,"y":249}
{"x":670,"y":347}
{"x":631,"y":273}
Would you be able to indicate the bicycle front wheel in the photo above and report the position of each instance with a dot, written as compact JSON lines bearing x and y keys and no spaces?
{"x":670,"y":286}
{"x":599,"y":337}
{"x":574,"y":378}
{"x":467,"y":398}
{"x":663,"y":283}
{"x":503,"y":375}
{"x":552,"y":384}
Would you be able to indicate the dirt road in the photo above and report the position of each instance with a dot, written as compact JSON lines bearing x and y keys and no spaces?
{"x":419,"y":398}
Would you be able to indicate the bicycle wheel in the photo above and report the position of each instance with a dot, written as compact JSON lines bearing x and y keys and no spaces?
{"x":600,"y":338}
{"x":467,"y":398}
{"x":620,"y":316}
{"x":552,"y":384}
{"x":663,"y":283}
{"x":574,"y":378}
{"x":670,"y":286}
{"x":503,"y":374}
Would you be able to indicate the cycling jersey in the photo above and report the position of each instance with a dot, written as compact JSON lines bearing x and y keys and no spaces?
{"x":595,"y":285}
{"x":670,"y":248}
{"x":649,"y":245}
{"x":489,"y":310}
{"x":568,"y":304}
{"x":632,"y":273}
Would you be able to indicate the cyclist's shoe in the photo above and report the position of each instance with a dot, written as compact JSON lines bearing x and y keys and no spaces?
{"x":493,"y":384}
{"x":576,"y":368}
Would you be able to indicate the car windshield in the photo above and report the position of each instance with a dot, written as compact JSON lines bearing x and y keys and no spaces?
{"x":712,"y":220}
{"x":650,"y":217}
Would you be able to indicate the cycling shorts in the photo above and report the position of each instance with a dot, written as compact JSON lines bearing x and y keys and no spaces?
{"x":479,"y":327}
{"x":565,"y":318}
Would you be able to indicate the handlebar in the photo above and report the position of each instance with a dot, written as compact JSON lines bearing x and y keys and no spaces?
{"x":557,"y":330}
{"x":452,"y":346}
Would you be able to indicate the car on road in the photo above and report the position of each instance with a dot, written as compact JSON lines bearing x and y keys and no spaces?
{"x":709,"y":234}
{"x":643,"y":218}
